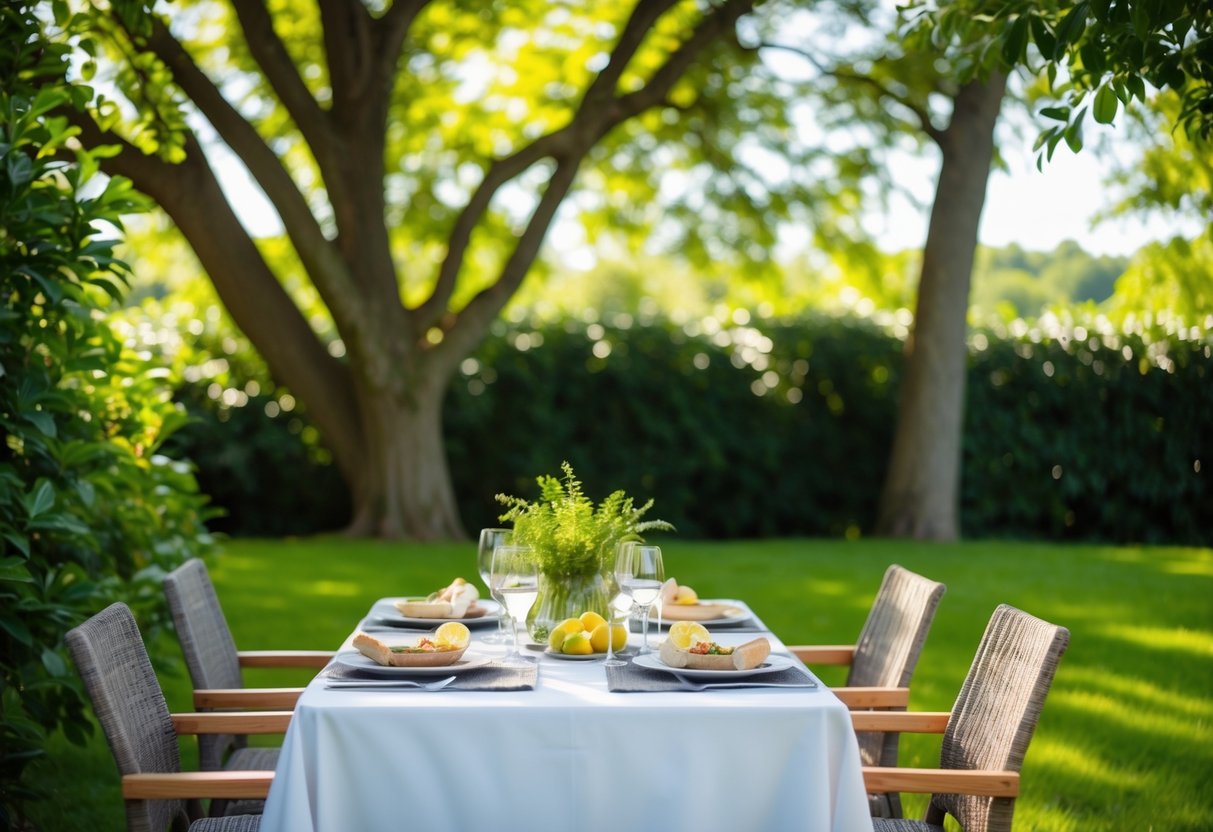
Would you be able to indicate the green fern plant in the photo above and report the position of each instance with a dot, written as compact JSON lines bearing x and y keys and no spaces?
{"x":570,"y":535}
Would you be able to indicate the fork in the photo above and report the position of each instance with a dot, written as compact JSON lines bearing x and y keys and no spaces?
{"x":386,"y":684}
{"x":687,"y":684}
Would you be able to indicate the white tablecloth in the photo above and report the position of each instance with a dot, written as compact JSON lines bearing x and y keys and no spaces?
{"x":569,"y":756}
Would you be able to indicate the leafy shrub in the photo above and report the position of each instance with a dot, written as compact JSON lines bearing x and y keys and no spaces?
{"x":90,"y":511}
{"x":783,"y":426}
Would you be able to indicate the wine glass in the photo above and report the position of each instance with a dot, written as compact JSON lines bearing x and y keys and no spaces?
{"x":514,"y":578}
{"x":490,"y":539}
{"x":640,"y":574}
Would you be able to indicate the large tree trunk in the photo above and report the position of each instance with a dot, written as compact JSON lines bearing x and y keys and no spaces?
{"x":920,"y":497}
{"x":404,"y":488}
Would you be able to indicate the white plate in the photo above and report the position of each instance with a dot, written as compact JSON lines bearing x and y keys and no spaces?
{"x":572,"y":657}
{"x":741,"y":616}
{"x":773,"y":664}
{"x":357,"y":661}
{"x":388,"y":616}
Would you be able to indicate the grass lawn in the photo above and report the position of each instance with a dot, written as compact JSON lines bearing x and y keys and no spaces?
{"x":1125,"y":741}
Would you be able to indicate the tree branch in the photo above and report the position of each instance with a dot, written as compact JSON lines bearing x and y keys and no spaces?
{"x":644,"y":17}
{"x":315,"y":252}
{"x":480,"y":311}
{"x":654,"y":92}
{"x":920,"y":112}
{"x":390,"y":33}
{"x":500,"y":172}
{"x":592,"y":120}
{"x":257,"y":302}
{"x":270,"y":54}
{"x":346,"y":25}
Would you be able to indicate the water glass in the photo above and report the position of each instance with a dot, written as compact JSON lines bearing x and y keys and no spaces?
{"x":514,"y":577}
{"x":490,"y":539}
{"x":640,"y":573}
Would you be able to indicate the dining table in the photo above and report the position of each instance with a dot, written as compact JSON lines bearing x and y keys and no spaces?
{"x":559,"y":743}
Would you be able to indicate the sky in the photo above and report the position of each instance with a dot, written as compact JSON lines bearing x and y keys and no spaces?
{"x":1035,"y":209}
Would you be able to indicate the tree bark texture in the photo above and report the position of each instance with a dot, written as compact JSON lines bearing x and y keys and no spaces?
{"x":380,"y":409}
{"x":920,"y":498}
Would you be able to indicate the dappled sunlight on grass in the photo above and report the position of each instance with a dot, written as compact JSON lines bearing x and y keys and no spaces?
{"x":1198,"y":643}
{"x":1127,"y":718}
{"x":1142,"y":692}
{"x":333,"y":589}
{"x":1048,"y":761}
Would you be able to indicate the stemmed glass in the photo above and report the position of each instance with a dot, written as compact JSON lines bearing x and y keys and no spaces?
{"x":619,"y":609}
{"x":514,"y":578}
{"x":490,"y":539}
{"x":640,"y":573}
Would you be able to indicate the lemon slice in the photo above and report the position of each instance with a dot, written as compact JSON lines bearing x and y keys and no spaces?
{"x":685,"y":634}
{"x":453,"y":634}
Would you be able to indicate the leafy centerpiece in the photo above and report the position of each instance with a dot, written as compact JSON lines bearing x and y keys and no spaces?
{"x":574,"y":542}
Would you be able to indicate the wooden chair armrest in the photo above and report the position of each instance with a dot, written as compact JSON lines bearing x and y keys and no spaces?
{"x":284,"y":658}
{"x":273,"y":699}
{"x":858,"y":698}
{"x":249,"y":785}
{"x":227,"y":722}
{"x":824,"y":653}
{"x":877,"y":780}
{"x":908,"y":722}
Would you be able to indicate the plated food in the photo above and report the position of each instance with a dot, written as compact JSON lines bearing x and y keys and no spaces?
{"x":456,"y":600}
{"x":690,"y":645}
{"x":681,"y":603}
{"x":445,"y":647}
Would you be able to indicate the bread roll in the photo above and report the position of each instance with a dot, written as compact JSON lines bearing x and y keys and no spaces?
{"x":751,"y":654}
{"x":373,"y":649}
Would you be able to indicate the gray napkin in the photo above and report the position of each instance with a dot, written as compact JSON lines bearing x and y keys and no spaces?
{"x":493,"y":676}
{"x":632,"y":678}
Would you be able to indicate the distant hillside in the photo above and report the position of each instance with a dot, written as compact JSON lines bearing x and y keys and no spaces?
{"x":1014,"y":279}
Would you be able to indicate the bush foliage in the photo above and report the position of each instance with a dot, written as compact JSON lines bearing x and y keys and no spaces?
{"x":90,"y":510}
{"x":1076,"y":430}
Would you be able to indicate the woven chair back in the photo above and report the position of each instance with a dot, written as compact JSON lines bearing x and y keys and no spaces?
{"x":126,"y":696}
{"x":208,"y":647}
{"x":997,"y":711}
{"x":887,"y":653}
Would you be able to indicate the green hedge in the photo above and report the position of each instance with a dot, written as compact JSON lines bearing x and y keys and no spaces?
{"x":784,"y":427}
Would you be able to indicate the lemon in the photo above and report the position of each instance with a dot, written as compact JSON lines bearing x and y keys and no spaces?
{"x":621,"y":637}
{"x":685,"y":634}
{"x":562,"y":631}
{"x":577,"y":644}
{"x":598,"y":637}
{"x":569,"y":625}
{"x":453,"y":634}
{"x":590,"y":621}
{"x":686,"y":595}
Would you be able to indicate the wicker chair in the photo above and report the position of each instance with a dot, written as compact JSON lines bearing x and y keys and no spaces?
{"x":986,"y":734}
{"x":142,"y":734}
{"x":214,"y":664}
{"x":882,"y":662}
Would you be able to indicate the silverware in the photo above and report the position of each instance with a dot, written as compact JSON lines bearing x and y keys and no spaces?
{"x":687,"y":684}
{"x":386,"y":684}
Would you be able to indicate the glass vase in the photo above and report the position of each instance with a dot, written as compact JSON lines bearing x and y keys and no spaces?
{"x":565,"y":596}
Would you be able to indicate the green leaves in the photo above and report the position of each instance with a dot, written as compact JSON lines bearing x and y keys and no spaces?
{"x":85,"y":518}
{"x":1106,"y":104}
{"x":570,"y":535}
